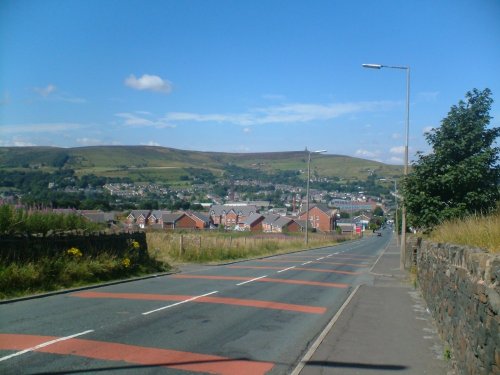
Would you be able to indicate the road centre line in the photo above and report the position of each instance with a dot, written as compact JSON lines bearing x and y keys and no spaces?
{"x":263,"y":279}
{"x":320,"y":258}
{"x":286,"y":269}
{"x":44,"y":344}
{"x":179,"y":303}
{"x":249,"y":281}
{"x":303,"y":264}
{"x":209,"y":299}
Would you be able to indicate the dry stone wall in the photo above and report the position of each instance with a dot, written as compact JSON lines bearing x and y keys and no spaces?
{"x":462,"y":289}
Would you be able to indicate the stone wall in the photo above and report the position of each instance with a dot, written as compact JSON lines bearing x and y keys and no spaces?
{"x":462,"y":289}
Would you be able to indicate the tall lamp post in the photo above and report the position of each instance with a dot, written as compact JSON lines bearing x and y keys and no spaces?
{"x":307,"y":189}
{"x":407,"y":127}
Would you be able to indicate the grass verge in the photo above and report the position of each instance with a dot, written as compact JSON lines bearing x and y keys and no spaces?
{"x":475,"y":231}
{"x":49,"y":274}
{"x":208,"y":247}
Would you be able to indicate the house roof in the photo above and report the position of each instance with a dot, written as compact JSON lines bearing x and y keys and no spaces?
{"x":199,"y":216}
{"x":323,"y":207}
{"x":282,"y":222}
{"x":172,"y":218}
{"x":271,"y":218}
{"x":137,"y":213}
{"x":252,"y":219}
{"x":219,"y":209}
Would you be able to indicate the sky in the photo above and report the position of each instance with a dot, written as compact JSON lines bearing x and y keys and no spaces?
{"x":242,"y":76}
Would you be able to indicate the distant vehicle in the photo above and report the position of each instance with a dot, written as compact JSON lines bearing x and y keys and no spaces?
{"x":379,"y":234}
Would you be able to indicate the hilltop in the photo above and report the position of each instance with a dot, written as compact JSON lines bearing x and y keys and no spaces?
{"x":152,"y":163}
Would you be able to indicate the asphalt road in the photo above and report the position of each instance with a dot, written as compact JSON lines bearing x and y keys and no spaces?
{"x":253,"y":317}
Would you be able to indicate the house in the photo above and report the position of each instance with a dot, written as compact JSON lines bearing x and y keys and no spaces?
{"x":346,"y":226}
{"x":156,"y":218}
{"x":321,"y":217}
{"x":267,"y":224}
{"x":285,"y":224}
{"x":253,"y":223}
{"x":202,"y":221}
{"x":179,"y":220}
{"x":231,"y":216}
{"x":138,"y":217}
{"x":98,"y":216}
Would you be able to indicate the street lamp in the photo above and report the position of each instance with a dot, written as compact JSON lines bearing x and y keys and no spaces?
{"x":407,"y":127}
{"x":307,"y":189}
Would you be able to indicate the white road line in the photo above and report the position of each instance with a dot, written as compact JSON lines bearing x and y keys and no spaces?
{"x":320,"y":258}
{"x":249,"y":281}
{"x":43,"y":345}
{"x":179,"y":303}
{"x":286,"y":269}
{"x":328,"y":256}
{"x":307,"y":263}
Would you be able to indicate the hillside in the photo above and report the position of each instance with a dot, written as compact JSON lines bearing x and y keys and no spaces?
{"x":148,"y":163}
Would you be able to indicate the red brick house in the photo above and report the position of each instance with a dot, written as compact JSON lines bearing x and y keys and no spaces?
{"x":285,"y":224}
{"x":178,"y":221}
{"x":202,"y":221}
{"x":231,"y":216}
{"x":321,"y":217}
{"x":253,"y":223}
{"x":138,"y":217}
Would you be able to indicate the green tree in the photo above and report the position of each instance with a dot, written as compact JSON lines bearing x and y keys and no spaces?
{"x":461,"y":175}
{"x":378,"y":211}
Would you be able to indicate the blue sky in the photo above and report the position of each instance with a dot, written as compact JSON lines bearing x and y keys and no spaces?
{"x":241,"y":76}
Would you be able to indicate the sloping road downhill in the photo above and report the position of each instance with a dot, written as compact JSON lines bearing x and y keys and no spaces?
{"x":253,"y":317}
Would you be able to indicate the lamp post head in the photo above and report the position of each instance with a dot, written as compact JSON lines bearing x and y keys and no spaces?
{"x":372,"y":66}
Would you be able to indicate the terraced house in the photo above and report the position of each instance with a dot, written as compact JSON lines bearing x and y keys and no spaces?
{"x":231,"y":216}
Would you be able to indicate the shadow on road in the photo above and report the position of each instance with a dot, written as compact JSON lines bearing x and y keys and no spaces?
{"x":366,"y":366}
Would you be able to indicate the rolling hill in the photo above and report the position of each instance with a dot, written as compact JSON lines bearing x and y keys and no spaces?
{"x":152,"y":163}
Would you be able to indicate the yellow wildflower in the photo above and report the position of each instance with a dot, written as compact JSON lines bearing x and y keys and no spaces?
{"x":75,"y":252}
{"x":126,"y":262}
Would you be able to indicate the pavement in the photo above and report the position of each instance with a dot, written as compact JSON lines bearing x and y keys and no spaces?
{"x":383,"y":328}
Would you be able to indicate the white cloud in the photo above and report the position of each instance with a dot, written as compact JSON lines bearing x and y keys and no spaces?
{"x":149,"y":82}
{"x":88,"y":141}
{"x":49,"y":93}
{"x":151,"y":143}
{"x":397,"y":150}
{"x":286,"y":113}
{"x":247,"y":130}
{"x":131,"y":119}
{"x":396,"y":136}
{"x":45,"y":91}
{"x":16,"y":142}
{"x":367,"y":154}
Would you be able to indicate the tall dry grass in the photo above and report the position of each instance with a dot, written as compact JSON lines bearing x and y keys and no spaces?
{"x":476,"y":231}
{"x":205,"y":247}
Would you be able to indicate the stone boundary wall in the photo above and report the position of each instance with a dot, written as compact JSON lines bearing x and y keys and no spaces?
{"x":462,"y":289}
{"x":26,"y":248}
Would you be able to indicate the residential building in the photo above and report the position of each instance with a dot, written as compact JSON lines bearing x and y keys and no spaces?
{"x":321,"y":217}
{"x":231,"y":216}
